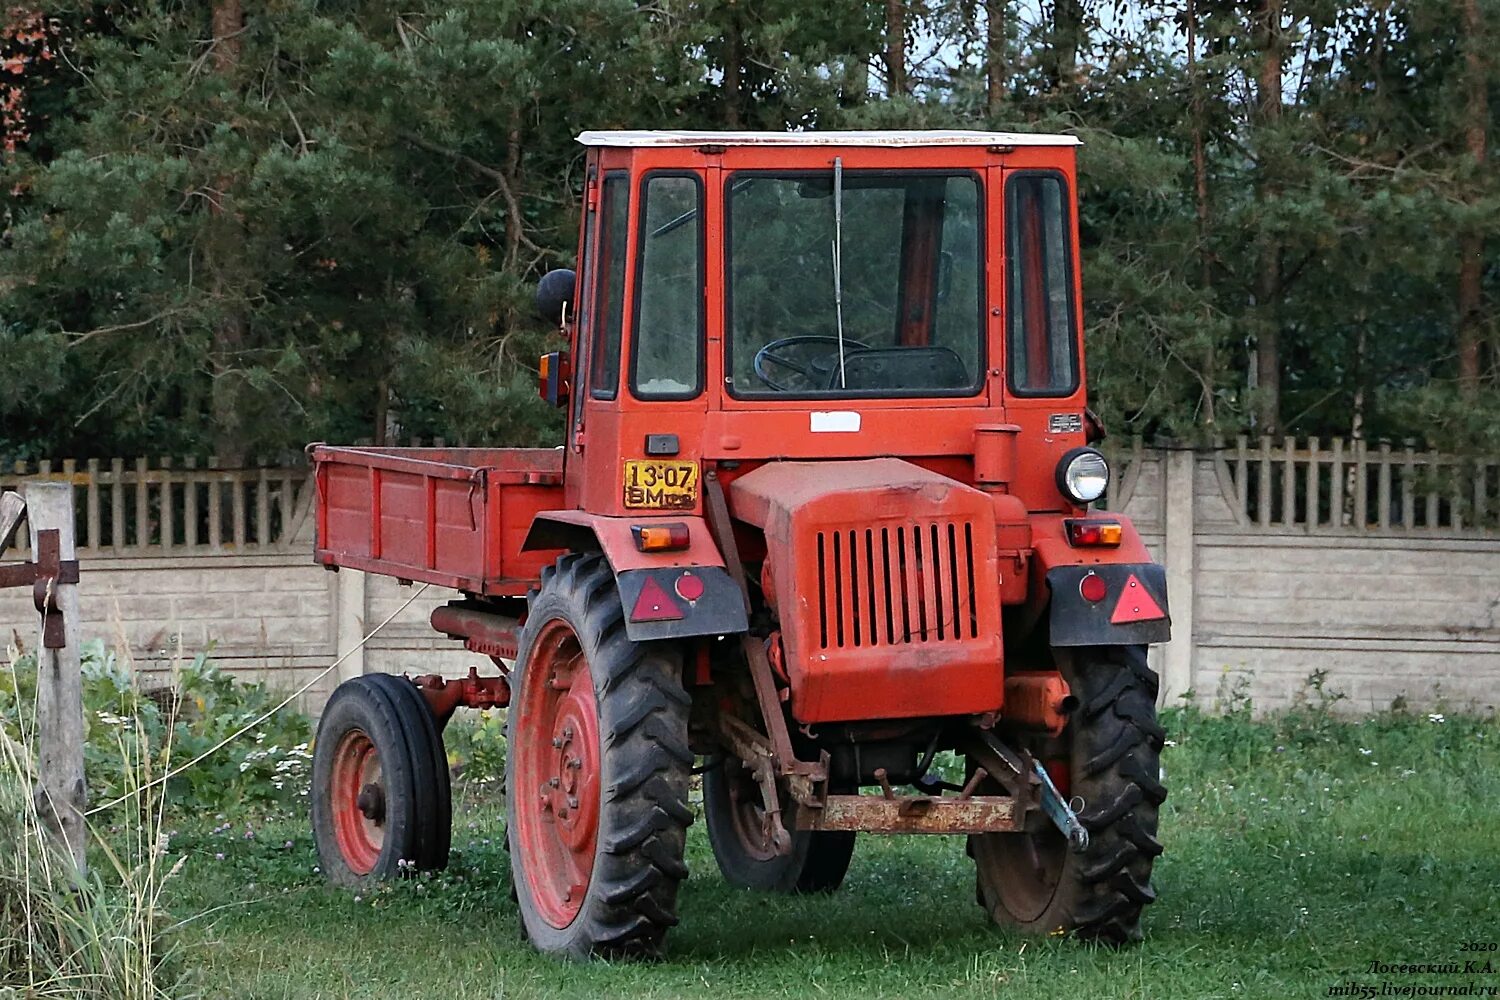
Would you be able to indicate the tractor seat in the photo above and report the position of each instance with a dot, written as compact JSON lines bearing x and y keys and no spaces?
{"x":898,"y":368}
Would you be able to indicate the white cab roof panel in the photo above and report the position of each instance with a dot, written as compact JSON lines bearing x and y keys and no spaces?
{"x":933,"y":137}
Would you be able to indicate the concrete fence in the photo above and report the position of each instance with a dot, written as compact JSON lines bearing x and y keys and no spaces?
{"x":1376,"y":569}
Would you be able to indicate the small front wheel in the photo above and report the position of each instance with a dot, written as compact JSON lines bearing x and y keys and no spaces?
{"x":381,"y":802}
{"x":736,"y":818}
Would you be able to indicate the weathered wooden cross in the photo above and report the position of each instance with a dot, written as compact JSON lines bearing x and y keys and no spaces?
{"x":52,"y":575}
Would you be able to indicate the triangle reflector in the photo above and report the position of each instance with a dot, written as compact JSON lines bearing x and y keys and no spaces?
{"x":654,"y":605}
{"x":1136,"y":604}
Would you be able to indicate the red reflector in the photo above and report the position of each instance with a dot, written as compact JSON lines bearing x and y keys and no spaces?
{"x":654,"y":604}
{"x":1093,"y":588}
{"x":1136,"y":604}
{"x":689,"y":587}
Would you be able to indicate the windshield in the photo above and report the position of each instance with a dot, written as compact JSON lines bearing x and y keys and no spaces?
{"x":853,"y":283}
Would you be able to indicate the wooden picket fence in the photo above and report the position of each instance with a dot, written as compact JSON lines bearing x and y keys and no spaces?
{"x":1346,"y":485}
{"x":162,"y":505}
{"x":165,"y":505}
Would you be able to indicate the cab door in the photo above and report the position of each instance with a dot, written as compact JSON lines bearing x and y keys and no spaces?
{"x":598,"y":333}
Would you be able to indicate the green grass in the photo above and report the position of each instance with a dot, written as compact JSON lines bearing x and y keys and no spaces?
{"x":1294,"y":859}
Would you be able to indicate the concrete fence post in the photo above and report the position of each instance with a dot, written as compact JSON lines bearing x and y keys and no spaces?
{"x":1179,"y":555}
{"x":349,"y":621}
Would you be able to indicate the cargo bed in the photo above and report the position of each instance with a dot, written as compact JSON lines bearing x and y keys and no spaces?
{"x":454,"y":517}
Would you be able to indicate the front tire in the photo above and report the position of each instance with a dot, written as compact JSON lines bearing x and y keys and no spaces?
{"x":597,"y":772}
{"x":734,"y":813}
{"x":1109,"y":755}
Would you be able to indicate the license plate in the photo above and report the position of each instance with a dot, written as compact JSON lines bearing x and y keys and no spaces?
{"x":661,"y":485}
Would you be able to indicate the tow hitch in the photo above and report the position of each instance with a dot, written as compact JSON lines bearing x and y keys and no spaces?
{"x":1059,"y":812}
{"x":1028,"y":782}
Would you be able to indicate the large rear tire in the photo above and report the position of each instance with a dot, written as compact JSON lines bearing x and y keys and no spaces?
{"x":597,"y":772}
{"x":734,"y":813}
{"x":1109,"y":756}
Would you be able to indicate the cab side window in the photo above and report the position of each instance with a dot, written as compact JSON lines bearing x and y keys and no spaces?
{"x":609,"y":311}
{"x":1041,"y":347}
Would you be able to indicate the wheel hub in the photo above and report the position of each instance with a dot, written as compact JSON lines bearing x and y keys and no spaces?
{"x":371,"y":802}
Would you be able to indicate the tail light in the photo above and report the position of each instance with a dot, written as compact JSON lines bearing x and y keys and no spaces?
{"x":1093,"y":533}
{"x":669,"y":537}
{"x":553,"y":375}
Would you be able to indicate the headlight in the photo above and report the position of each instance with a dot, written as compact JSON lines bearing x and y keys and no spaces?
{"x":1083,"y":475}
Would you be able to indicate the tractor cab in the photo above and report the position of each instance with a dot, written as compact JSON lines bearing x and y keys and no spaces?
{"x":758,"y":296}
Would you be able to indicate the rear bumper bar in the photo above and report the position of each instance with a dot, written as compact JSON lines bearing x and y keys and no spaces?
{"x":911,"y":814}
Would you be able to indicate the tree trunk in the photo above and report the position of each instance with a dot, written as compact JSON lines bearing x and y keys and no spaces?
{"x":228,"y":22}
{"x":1268,"y":247}
{"x":734,"y":61}
{"x":994,"y":56}
{"x":1209,"y":377}
{"x":895,"y":48}
{"x":1067,"y":39}
{"x":1471,"y":242}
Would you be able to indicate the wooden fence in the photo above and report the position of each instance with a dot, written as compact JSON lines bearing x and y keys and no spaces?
{"x":164,"y":505}
{"x":1343,"y":486}
{"x":160,"y":504}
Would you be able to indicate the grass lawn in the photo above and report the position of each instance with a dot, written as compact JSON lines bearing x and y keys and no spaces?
{"x":1298,"y":851}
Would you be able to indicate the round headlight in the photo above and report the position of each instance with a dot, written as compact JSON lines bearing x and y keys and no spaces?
{"x":1083,"y":475}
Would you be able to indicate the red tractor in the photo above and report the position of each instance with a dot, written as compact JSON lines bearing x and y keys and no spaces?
{"x":823,"y":512}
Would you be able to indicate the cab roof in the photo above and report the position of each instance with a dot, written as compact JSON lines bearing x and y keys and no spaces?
{"x":885,"y":138}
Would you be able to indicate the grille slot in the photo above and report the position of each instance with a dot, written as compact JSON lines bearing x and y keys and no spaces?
{"x":896,"y":585}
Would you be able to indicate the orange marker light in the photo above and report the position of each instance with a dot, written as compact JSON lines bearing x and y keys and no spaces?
{"x":669,"y":537}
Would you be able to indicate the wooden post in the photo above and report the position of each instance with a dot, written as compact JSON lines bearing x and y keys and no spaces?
{"x":61,"y":794}
{"x":11,"y":509}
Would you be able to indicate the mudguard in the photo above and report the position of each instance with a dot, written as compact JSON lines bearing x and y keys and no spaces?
{"x":666,"y":595}
{"x":1133,"y":609}
{"x":1132,"y":590}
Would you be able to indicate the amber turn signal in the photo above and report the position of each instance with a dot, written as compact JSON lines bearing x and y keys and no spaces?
{"x":668,"y":537}
{"x":1093,"y":533}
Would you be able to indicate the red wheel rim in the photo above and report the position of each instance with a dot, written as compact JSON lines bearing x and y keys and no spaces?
{"x":359,"y":802}
{"x":557,"y":774}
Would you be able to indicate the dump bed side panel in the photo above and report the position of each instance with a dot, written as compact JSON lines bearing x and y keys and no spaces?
{"x":452,"y":517}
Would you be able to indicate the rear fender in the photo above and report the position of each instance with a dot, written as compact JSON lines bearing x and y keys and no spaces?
{"x":666,"y":595}
{"x":1134,"y":609}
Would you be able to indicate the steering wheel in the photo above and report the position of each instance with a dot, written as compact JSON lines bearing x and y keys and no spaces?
{"x":816,"y":368}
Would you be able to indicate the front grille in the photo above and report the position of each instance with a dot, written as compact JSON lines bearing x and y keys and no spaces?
{"x":896,"y":585}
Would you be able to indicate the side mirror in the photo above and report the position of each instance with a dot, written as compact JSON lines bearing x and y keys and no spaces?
{"x":554,"y":295}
